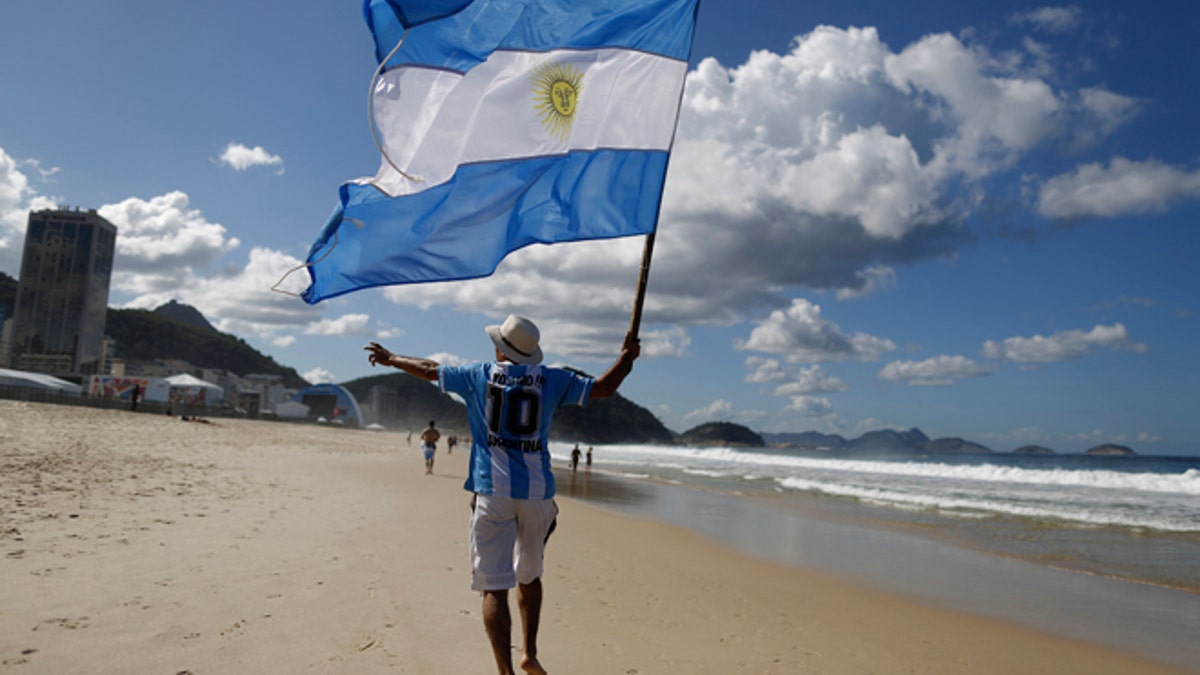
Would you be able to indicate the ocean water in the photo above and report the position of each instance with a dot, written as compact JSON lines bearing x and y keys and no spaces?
{"x":1132,"y":517}
{"x":1104,"y":549}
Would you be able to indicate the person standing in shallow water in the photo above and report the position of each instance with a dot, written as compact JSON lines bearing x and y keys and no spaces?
{"x":509,"y":406}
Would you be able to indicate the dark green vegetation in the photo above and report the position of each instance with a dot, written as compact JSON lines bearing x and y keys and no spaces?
{"x":609,"y":420}
{"x":1110,"y":449}
{"x":721,"y":433}
{"x":1033,"y":450}
{"x":417,"y":402}
{"x":185,"y":314}
{"x":143,"y":335}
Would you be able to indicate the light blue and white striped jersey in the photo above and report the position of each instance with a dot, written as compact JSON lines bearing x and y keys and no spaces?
{"x":510,"y":407}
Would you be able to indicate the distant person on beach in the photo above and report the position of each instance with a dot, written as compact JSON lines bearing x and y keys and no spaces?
{"x":450,"y":443}
{"x":429,"y":439}
{"x":575,"y":457}
{"x":509,"y":405}
{"x":589,"y":458}
{"x":134,"y":396}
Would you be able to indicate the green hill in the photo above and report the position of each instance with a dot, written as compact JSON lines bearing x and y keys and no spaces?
{"x":609,"y":420}
{"x":143,"y":335}
{"x":417,"y":402}
{"x":721,"y":433}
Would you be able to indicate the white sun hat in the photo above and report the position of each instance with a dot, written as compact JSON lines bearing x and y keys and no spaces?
{"x":517,"y":338}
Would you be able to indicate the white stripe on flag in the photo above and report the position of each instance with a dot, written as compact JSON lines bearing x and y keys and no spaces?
{"x":432,"y":121}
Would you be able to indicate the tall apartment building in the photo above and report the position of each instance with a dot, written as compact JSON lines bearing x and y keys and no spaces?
{"x":62,"y":295}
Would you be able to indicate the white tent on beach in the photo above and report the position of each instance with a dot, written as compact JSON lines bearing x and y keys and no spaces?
{"x":42,"y":381}
{"x":194,"y":391}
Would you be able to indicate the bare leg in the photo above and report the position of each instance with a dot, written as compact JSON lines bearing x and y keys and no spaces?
{"x":529,"y":600}
{"x":498,"y":623}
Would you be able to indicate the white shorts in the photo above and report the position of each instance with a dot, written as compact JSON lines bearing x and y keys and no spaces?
{"x":508,"y":538}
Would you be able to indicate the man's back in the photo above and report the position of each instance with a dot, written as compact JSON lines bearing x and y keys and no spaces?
{"x":430,"y":435}
{"x":510,"y":407}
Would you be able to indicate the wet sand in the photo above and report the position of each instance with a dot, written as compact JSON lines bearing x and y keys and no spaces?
{"x":141,"y":543}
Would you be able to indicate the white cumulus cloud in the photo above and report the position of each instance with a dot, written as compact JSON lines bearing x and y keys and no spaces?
{"x":1123,"y":187}
{"x":347,"y":324}
{"x":240,"y":158}
{"x":1061,"y":346}
{"x":1052,"y":19}
{"x":240,"y":298}
{"x":164,"y":235}
{"x":801,"y":335}
{"x":811,"y":380}
{"x":810,"y":406}
{"x":720,"y":410}
{"x":319,"y":376}
{"x":939,"y":370}
{"x":17,"y":198}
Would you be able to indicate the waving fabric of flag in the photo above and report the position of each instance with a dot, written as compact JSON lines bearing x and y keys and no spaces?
{"x":505,"y":123}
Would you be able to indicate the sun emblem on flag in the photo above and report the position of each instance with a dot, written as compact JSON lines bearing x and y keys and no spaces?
{"x":556,"y":88}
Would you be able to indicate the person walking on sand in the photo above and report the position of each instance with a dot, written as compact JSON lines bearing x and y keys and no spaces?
{"x":509,"y":406}
{"x":429,"y":439}
{"x":589,"y":458}
{"x":575,"y":458}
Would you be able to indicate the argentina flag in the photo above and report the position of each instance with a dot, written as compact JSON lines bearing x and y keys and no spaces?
{"x":504,"y":123}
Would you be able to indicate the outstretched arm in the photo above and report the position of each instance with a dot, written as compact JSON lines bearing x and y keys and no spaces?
{"x":426,"y":369}
{"x":606,"y":385}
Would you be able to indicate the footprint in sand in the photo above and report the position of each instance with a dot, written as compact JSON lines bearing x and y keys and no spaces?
{"x":65,"y":623}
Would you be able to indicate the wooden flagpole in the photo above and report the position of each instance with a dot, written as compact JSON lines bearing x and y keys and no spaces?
{"x":639,"y":300}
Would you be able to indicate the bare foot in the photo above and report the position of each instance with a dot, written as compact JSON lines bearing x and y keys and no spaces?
{"x":530,"y":664}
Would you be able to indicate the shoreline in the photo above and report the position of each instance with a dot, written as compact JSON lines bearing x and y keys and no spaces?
{"x":1153,"y":620}
{"x":138,"y":543}
{"x":946,"y":530}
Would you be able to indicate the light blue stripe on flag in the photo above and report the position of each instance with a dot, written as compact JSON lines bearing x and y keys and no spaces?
{"x":464,"y":228}
{"x":536,"y":183}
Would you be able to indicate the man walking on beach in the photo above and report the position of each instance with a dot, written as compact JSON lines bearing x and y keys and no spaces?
{"x":429,"y":439}
{"x":509,"y":405}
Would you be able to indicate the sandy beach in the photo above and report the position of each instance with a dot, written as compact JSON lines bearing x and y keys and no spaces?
{"x":136,"y":543}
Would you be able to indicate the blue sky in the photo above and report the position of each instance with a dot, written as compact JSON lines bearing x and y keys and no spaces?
{"x":975,"y":218}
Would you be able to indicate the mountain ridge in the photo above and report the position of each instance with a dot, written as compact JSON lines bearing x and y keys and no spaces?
{"x":179,"y":331}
